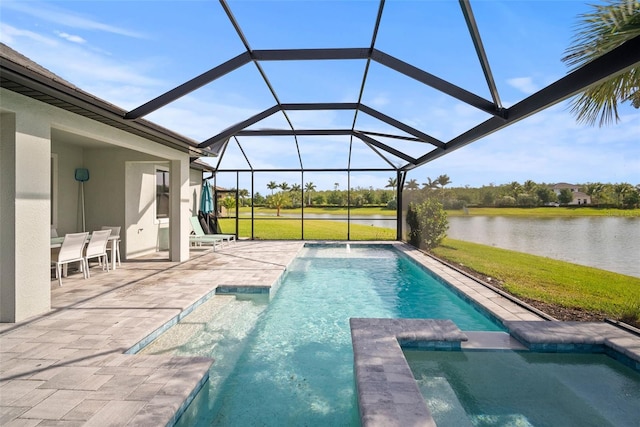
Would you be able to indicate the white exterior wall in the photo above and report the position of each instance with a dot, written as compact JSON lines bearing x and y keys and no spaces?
{"x":25,"y":159}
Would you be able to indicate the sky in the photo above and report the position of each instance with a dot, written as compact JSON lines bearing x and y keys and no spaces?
{"x":129,"y":52}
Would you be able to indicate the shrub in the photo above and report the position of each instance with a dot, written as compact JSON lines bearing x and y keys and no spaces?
{"x":392,"y":205}
{"x":427,"y":223}
{"x":505,"y":201}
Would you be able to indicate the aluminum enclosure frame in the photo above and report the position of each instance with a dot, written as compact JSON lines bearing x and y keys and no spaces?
{"x":619,"y":60}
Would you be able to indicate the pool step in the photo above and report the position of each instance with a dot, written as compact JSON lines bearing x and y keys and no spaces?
{"x":491,"y":341}
{"x":443,"y":402}
{"x":220,"y":319}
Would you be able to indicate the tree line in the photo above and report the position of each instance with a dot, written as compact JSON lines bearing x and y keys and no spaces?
{"x":532,"y":194}
{"x":514,"y":194}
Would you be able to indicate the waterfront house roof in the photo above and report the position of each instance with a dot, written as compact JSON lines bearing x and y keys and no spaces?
{"x":24,"y":76}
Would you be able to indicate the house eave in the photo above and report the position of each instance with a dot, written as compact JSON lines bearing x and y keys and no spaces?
{"x":33,"y":84}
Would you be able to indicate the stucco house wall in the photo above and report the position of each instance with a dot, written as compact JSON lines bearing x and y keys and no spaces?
{"x":32,"y":134}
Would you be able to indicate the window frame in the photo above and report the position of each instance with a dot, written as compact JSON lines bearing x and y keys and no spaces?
{"x":166,"y":184}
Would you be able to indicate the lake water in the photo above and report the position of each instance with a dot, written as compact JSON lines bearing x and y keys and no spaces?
{"x":608,"y":243}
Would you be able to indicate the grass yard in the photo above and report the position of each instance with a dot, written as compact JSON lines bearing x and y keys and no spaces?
{"x":291,"y":229}
{"x":338,"y":211}
{"x":550,"y":281}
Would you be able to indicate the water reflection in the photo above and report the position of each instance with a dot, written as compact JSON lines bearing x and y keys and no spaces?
{"x":608,"y":243}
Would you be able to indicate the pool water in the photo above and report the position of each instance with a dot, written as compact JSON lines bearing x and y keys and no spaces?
{"x":292,"y":360}
{"x":485,"y":388}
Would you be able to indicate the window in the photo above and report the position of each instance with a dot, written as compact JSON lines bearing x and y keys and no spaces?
{"x":162,"y":193}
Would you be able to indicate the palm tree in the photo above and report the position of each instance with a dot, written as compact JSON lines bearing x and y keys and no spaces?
{"x":243,"y":193}
{"x":595,"y":190}
{"x":443,"y":181}
{"x":272,"y":186}
{"x":412,"y":184}
{"x":284,"y":186}
{"x":529,"y":187}
{"x":393,"y":183}
{"x":600,"y":31}
{"x":430,"y":185}
{"x":515,"y":189}
{"x":309,"y":187}
{"x":295,"y":192}
{"x":621,"y":190}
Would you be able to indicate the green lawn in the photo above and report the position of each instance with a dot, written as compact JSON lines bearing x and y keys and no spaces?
{"x":290,"y":229}
{"x":551,"y":281}
{"x":338,"y":211}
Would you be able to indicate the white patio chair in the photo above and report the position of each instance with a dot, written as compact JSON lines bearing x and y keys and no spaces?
{"x":54,"y":251}
{"x":71,"y":251}
{"x":115,"y":231}
{"x":97,"y":248}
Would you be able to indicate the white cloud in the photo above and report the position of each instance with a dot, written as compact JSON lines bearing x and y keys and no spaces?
{"x":9,"y":35}
{"x":547,"y":147}
{"x":70,"y":37}
{"x":105,"y":74}
{"x":46,"y":12}
{"x":524,"y":84}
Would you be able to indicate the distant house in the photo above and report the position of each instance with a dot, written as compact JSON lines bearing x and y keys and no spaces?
{"x":579,"y":198}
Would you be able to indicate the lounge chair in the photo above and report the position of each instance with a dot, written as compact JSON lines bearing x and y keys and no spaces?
{"x":199,"y":232}
{"x":196,"y":239}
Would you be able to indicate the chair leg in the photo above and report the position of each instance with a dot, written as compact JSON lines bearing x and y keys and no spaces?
{"x":59,"y":274}
{"x":106,"y":262}
{"x":118,"y":253}
{"x":86,"y":269}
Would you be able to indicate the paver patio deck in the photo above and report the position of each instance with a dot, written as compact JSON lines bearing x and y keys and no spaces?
{"x":69,"y":367}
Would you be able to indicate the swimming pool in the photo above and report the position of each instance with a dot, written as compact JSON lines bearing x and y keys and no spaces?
{"x":487,"y":388}
{"x":290,"y":362}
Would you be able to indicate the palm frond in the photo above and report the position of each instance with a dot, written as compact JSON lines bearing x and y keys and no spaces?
{"x":600,"y":31}
{"x":599,"y":103}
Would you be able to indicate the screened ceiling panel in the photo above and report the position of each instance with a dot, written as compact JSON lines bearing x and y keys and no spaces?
{"x":306,"y":24}
{"x":404,"y":82}
{"x":365,"y":156}
{"x":271,"y":152}
{"x":277,"y":120}
{"x":322,"y":119}
{"x":535,"y":45}
{"x":443,"y":48}
{"x":315,"y":81}
{"x":323,"y":152}
{"x":228,"y":99}
{"x":418,"y":105}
